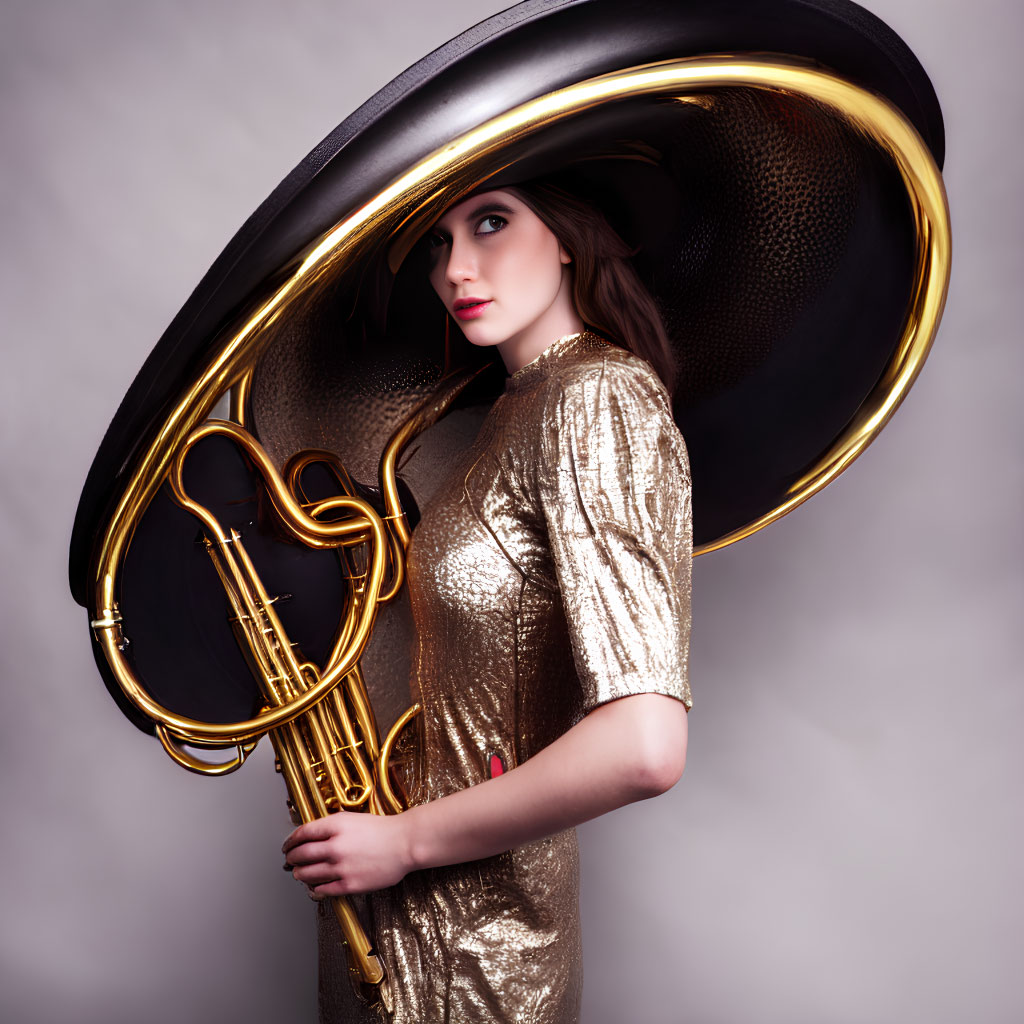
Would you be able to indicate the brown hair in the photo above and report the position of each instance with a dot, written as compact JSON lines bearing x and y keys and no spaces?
{"x":609,"y":296}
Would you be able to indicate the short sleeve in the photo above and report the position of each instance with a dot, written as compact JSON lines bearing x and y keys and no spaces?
{"x":614,"y":487}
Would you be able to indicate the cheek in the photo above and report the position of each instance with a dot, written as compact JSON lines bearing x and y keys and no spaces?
{"x":549,"y":269}
{"x":538,"y":269}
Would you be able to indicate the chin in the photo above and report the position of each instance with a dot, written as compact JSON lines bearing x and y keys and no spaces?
{"x":481,"y":337}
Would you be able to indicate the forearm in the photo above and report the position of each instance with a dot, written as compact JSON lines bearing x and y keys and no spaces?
{"x":628,"y":750}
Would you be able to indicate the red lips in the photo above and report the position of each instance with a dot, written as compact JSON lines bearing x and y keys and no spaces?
{"x":470,"y":308}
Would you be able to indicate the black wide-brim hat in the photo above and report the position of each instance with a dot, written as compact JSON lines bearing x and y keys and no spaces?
{"x":774,"y":164}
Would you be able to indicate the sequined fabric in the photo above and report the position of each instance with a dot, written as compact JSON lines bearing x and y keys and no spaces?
{"x":550,"y":574}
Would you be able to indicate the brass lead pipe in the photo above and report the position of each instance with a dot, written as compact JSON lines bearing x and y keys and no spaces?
{"x":425,"y":415}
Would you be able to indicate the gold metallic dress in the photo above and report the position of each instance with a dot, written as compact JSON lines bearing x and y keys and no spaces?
{"x":548,"y":575}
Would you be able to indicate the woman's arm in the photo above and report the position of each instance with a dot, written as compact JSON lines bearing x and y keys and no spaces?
{"x":629,"y":749}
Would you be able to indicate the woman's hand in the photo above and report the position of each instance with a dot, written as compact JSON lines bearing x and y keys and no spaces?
{"x":348,"y":852}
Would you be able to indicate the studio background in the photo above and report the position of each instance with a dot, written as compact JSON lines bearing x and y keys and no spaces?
{"x":845,"y":845}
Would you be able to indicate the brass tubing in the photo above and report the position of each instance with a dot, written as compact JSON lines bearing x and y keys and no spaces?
{"x":200,"y":767}
{"x":321,"y":749}
{"x":293,"y":478}
{"x":311,"y":531}
{"x":294,"y":679}
{"x":338,"y":763}
{"x":383,"y":782}
{"x":345,"y":750}
{"x":344,"y":636}
{"x":299,"y":800}
{"x":425,"y":415}
{"x":240,"y":392}
{"x":359,"y":700}
{"x":368,"y":965}
{"x":335,"y":757}
{"x":322,"y":738}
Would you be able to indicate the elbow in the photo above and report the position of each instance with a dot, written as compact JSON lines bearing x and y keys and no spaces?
{"x":656,"y":771}
{"x":658,"y":752}
{"x":642,"y":744}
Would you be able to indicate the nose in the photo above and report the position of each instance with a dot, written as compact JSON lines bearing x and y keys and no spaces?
{"x":461,"y":265}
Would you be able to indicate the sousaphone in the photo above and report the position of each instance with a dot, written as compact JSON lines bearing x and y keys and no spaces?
{"x":775,"y":166}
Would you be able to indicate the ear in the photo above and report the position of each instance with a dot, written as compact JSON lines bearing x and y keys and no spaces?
{"x":564,"y":256}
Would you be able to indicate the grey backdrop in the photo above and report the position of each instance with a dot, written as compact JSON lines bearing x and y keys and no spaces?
{"x":846,"y":843}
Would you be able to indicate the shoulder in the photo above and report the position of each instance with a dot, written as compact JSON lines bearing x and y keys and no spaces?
{"x":611,"y":448}
{"x":607,"y":416}
{"x":605,"y":378}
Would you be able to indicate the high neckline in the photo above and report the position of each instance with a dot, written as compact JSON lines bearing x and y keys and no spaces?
{"x":568,"y":344}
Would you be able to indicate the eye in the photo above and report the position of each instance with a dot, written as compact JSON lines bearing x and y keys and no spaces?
{"x":432,"y":246}
{"x":491,"y":224}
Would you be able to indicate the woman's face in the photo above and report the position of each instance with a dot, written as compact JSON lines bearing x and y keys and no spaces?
{"x":502,"y":274}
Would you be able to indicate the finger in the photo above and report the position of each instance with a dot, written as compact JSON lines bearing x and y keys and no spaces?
{"x":315,"y":874}
{"x":312,"y":831}
{"x":328,"y":890}
{"x":308,"y":853}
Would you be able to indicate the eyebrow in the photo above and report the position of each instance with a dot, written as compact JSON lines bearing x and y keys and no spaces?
{"x":489,"y":208}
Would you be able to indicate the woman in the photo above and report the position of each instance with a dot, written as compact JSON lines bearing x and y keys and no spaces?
{"x":802,"y":273}
{"x":550,"y":583}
